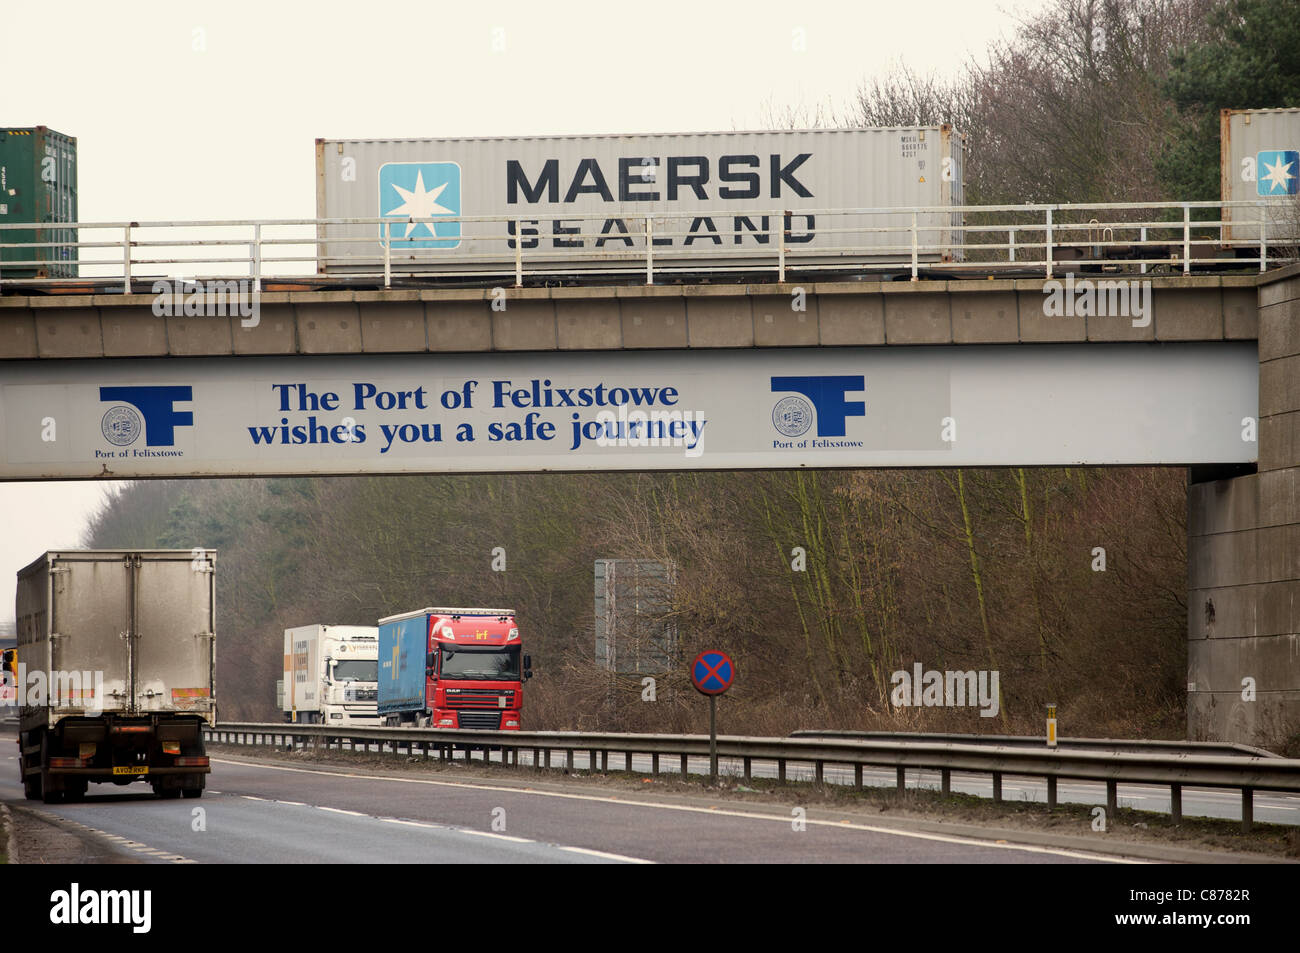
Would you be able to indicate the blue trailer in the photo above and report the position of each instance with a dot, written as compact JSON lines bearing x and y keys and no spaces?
{"x":403,"y":648}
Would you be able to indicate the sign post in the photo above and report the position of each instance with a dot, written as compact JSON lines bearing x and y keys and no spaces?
{"x":711,"y":674}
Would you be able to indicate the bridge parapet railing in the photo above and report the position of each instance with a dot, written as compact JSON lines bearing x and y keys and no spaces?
{"x":716,"y":244}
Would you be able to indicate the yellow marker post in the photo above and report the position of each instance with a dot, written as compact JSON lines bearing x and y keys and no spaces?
{"x":1051,"y":726}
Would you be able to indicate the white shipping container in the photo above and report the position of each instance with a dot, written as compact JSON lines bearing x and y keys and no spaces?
{"x":1260,"y":150}
{"x":712,"y":199}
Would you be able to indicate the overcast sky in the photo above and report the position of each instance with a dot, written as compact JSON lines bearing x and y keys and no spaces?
{"x":189,"y":111}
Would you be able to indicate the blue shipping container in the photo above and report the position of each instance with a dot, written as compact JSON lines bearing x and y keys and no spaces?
{"x":403,"y":648}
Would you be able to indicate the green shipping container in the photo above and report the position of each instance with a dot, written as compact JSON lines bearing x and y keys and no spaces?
{"x":38,"y":184}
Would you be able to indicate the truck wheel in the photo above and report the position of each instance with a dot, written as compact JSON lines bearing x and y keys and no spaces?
{"x":193,"y":792}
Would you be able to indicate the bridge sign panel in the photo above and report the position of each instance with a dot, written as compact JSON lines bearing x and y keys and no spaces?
{"x":933,"y":406}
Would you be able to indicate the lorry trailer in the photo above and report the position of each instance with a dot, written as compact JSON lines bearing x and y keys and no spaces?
{"x":593,"y":204}
{"x":116,"y":654}
{"x":330,"y":674}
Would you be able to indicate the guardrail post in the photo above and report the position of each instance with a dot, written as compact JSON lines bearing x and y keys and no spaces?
{"x":1176,"y":803}
{"x":627,"y":761}
{"x":749,"y":769}
{"x":126,"y":259}
{"x":649,"y":250}
{"x":1112,"y":800}
{"x":914,"y":270}
{"x":945,"y":781}
{"x":1263,"y":238}
{"x":1187,"y":237}
{"x":1048,"y":248}
{"x":1051,"y":793}
{"x":604,"y":762}
{"x":1247,"y":809}
{"x":780,"y":253}
{"x":685,"y":770}
{"x":388,"y":254}
{"x":857,"y":777}
{"x":819,"y":772}
{"x":519,"y":257}
{"x":780,"y":770}
{"x":901,"y":779}
{"x":997,"y":785}
{"x":568,"y":759}
{"x":654,"y":764}
{"x":255,"y":266}
{"x":592,"y":760}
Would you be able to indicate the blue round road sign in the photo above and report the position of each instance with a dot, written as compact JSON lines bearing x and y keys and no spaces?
{"x":712,"y":672}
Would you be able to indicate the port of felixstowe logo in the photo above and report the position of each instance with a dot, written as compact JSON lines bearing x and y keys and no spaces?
{"x":121,"y":425}
{"x":410,"y":190}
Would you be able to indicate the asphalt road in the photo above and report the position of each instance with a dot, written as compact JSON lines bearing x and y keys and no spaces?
{"x":260,"y":813}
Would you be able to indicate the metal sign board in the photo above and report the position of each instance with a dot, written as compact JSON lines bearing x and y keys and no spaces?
{"x":940,"y":406}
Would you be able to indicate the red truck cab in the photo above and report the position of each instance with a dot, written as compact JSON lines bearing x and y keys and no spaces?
{"x":475,"y":669}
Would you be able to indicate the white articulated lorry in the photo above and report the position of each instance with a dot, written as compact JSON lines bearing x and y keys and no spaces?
{"x":115,"y":678}
{"x":331,"y":674}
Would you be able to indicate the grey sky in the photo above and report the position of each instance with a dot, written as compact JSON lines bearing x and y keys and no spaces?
{"x":190,"y":111}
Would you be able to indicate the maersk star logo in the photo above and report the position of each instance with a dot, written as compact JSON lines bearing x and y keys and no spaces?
{"x":414,"y":190}
{"x":1277,"y":173}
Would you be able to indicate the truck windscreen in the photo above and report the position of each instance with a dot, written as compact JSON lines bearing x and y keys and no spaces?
{"x":356,"y":670}
{"x":480,"y":662}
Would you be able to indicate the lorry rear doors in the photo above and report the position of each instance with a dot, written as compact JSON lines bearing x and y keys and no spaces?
{"x":173,"y":632}
{"x":89,"y":632}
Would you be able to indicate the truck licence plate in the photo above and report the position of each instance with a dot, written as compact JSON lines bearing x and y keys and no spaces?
{"x":141,"y":769}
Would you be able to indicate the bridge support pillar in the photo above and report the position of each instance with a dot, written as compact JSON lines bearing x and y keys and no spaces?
{"x":1243,"y":554}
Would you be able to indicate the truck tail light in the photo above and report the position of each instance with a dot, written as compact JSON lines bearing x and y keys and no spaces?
{"x":193,"y":762}
{"x":65,"y":763}
{"x":131,"y":729}
{"x":171,"y":747}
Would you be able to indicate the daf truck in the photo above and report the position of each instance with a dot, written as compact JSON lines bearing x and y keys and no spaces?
{"x":330,"y":674}
{"x":452,"y":668}
{"x":115,"y":677}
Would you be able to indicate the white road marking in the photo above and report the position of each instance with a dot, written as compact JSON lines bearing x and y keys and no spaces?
{"x":607,"y":855}
{"x":118,"y":839}
{"x":494,"y":834}
{"x":917,"y":835}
